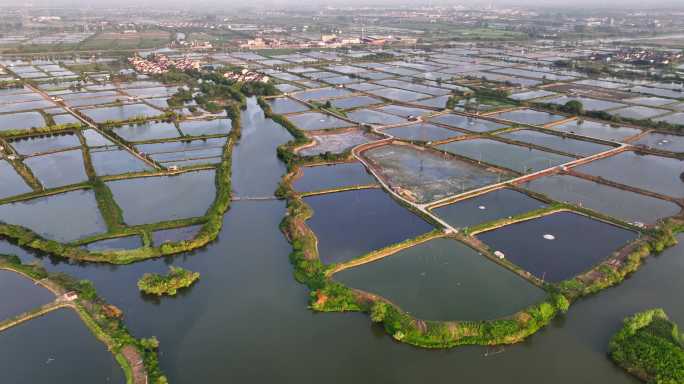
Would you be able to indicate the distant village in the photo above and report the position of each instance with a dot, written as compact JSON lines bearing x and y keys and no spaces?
{"x":158,"y":64}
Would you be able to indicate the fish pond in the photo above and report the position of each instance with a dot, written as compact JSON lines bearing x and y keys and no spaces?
{"x":444,"y":279}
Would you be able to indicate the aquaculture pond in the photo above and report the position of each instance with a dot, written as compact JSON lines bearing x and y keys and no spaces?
{"x":10,"y":182}
{"x":206,"y":127}
{"x":147,"y":131}
{"x":444,"y":279}
{"x":311,"y":121}
{"x":529,"y":116}
{"x":248,"y":262}
{"x":370,"y":116}
{"x":515,"y":157}
{"x":116,"y":161}
{"x":557,"y":246}
{"x":424,"y":175}
{"x":468,"y":123}
{"x":398,"y":94}
{"x":24,"y":120}
{"x":175,"y":235}
{"x":94,"y":138}
{"x":649,"y":172}
{"x":354,"y":102}
{"x":404,"y":111}
{"x":118,"y":243}
{"x":351,"y":224}
{"x":63,"y":217}
{"x":34,"y":145}
{"x":282,"y":105}
{"x":56,"y":348}
{"x":619,"y":203}
{"x":337,"y":142}
{"x":120,"y":113}
{"x":323,"y":177}
{"x":597,"y":130}
{"x":149,"y":200}
{"x":19,"y":294}
{"x":662,"y":141}
{"x":422,"y":132}
{"x":556,"y":143}
{"x":495,"y":205}
{"x":58,"y":169}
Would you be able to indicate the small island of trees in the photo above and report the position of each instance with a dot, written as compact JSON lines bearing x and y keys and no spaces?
{"x":650,"y":347}
{"x":177,"y":278}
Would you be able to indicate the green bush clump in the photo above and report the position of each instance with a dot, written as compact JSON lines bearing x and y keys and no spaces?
{"x":177,"y":278}
{"x":650,"y":347}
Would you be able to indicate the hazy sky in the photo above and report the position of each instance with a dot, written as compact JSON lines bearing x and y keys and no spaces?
{"x":228,"y":4}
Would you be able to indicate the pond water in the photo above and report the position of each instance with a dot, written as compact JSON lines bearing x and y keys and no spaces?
{"x":529,"y":116}
{"x":282,"y":105}
{"x":425,"y":175}
{"x":185,"y":195}
{"x":118,"y":243}
{"x":206,"y":127}
{"x":95,"y":139}
{"x":114,"y":162}
{"x":36,"y":145}
{"x":58,"y":169}
{"x":439,"y":280}
{"x":120,"y":113}
{"x":65,"y":119}
{"x":351,"y":224}
{"x":517,"y":158}
{"x":311,"y":121}
{"x":403,"y":111}
{"x":333,"y":176}
{"x":557,"y":143}
{"x":19,"y":294}
{"x":354,"y":102}
{"x":638,"y":113}
{"x":580,"y":243}
{"x":490,"y":206}
{"x":662,"y":141}
{"x":318,"y":94}
{"x":649,"y":172}
{"x":175,"y":234}
{"x":422,"y":132}
{"x":24,"y":120}
{"x":10,"y":182}
{"x":468,"y":123}
{"x":56,"y":348}
{"x":248,"y":262}
{"x":147,"y":131}
{"x":398,"y":94}
{"x":597,"y":130}
{"x":64,"y":217}
{"x":369,"y":116}
{"x":626,"y":205}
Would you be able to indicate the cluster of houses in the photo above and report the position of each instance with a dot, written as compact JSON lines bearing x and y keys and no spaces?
{"x":246,"y":76}
{"x":158,"y":64}
{"x":641,"y":56}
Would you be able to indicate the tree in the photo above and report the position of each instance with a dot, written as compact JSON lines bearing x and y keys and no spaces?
{"x":574,"y":107}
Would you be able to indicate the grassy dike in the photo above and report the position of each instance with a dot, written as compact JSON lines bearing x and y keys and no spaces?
{"x":327,"y":295}
{"x":211,"y":222}
{"x":103,"y":320}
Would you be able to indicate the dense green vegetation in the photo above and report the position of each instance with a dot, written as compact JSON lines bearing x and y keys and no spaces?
{"x":650,"y":347}
{"x":177,"y":278}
